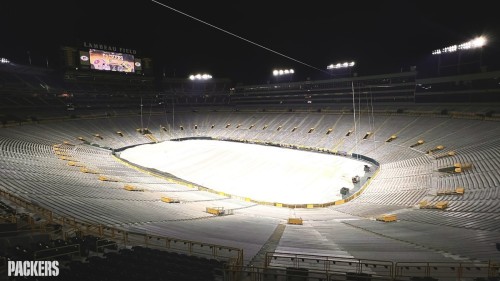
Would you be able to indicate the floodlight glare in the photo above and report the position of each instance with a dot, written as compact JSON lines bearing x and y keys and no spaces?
{"x":200,"y":77}
{"x":4,"y":60}
{"x":472,"y":44}
{"x":341,"y":65}
{"x":479,"y":42}
{"x":279,"y":72}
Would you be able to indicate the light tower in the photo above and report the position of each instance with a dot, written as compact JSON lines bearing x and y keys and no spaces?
{"x":476,"y":43}
{"x":341,"y":68}
{"x":283,"y":72}
{"x":199,"y":76}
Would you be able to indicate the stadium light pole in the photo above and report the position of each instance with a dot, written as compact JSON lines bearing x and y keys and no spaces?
{"x":200,"y":77}
{"x":341,"y":66}
{"x":283,"y":72}
{"x":476,"y":43}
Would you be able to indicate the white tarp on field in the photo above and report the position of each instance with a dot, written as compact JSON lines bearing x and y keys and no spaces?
{"x":263,"y":173}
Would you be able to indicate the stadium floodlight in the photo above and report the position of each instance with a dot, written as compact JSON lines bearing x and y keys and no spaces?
{"x":279,"y":72}
{"x":4,"y":60}
{"x":475,"y":43}
{"x":200,"y":77}
{"x":341,"y":65}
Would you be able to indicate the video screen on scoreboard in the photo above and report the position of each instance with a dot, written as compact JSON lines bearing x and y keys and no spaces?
{"x":110,"y":61}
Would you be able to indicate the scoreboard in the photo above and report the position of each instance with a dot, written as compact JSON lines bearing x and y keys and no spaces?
{"x":98,"y":57}
{"x":105,"y":58}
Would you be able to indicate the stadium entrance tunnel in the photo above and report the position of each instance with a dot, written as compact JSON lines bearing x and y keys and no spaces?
{"x":260,"y":172}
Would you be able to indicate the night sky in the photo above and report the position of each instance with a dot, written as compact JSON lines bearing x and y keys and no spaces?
{"x":381,"y":36}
